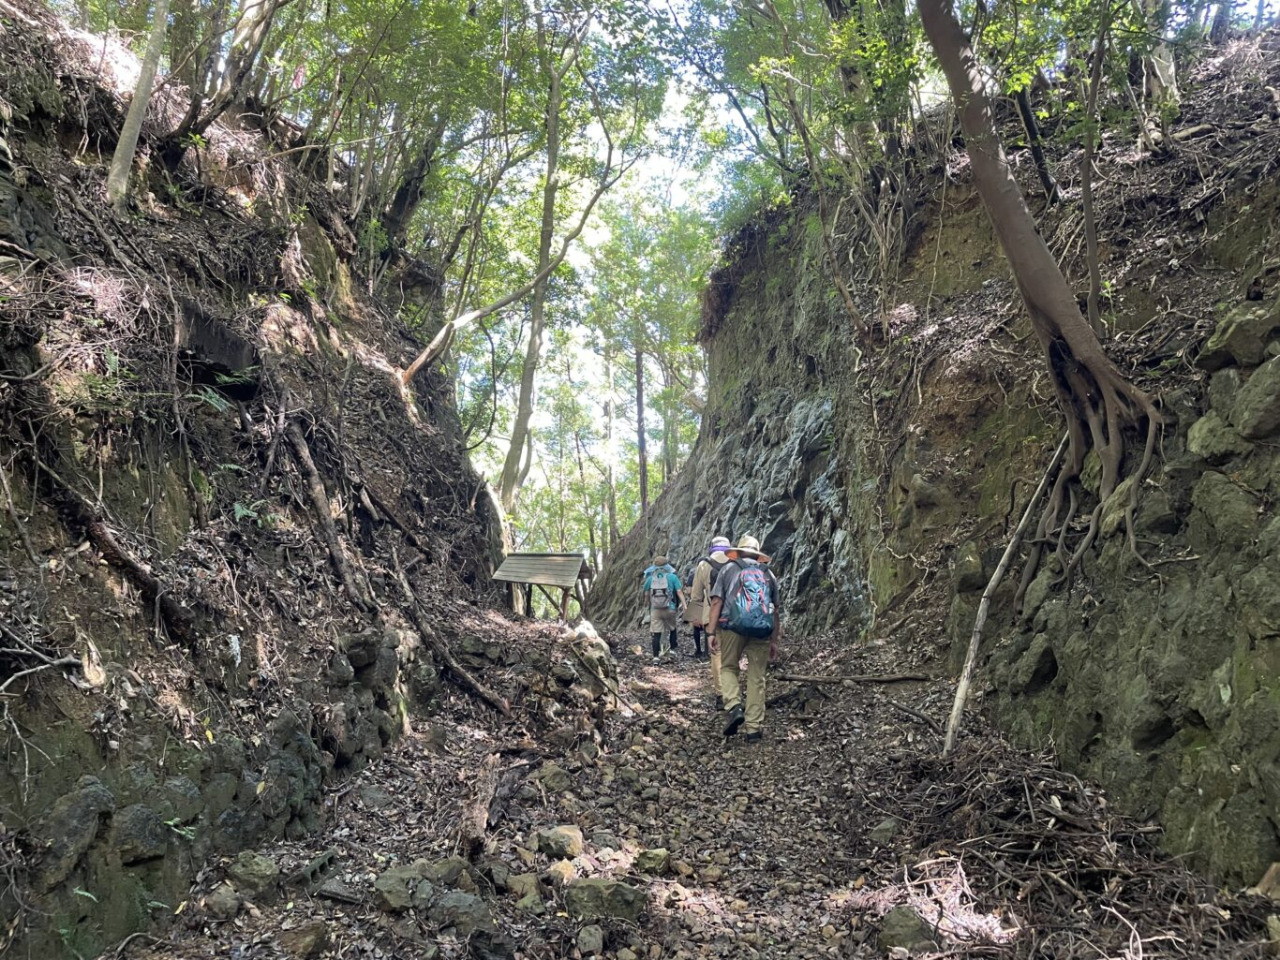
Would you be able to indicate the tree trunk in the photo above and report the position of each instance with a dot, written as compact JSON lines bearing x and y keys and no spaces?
{"x":1222,"y":22}
{"x":510,"y":483}
{"x":122,"y":159}
{"x":408,"y":194}
{"x":644,"y":458}
{"x":1051,"y":192}
{"x":1092,"y":134}
{"x":1093,"y":394}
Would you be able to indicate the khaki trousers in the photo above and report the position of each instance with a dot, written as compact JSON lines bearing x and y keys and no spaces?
{"x":732,"y":647}
{"x":715,"y":672}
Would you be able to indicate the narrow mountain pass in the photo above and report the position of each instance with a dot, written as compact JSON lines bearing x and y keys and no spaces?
{"x":841,"y":834}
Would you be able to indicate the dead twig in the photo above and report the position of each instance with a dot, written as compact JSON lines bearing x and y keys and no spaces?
{"x":854,"y":677}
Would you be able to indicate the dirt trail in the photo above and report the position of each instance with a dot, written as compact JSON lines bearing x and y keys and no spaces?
{"x":780,"y":849}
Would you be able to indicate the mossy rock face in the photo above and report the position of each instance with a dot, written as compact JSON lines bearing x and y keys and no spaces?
{"x":1241,"y":337}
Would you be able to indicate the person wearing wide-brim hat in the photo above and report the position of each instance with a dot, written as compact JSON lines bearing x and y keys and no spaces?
{"x":744,"y":619}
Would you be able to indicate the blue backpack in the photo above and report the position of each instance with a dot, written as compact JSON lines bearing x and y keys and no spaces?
{"x":748,"y":609}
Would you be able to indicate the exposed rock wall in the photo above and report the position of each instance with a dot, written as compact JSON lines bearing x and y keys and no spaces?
{"x":886,"y":478}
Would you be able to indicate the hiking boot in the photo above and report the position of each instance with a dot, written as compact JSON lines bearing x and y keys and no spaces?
{"x":755,"y":737}
{"x":735,"y":719}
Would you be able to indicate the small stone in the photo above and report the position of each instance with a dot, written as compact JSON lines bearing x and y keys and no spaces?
{"x":712,"y":874}
{"x":1269,"y":885}
{"x":626,"y":954}
{"x":305,"y":941}
{"x":527,"y":857}
{"x":655,"y":862}
{"x":452,"y":872}
{"x":561,"y":873}
{"x":598,"y":897}
{"x":554,"y":777}
{"x":563,"y":842}
{"x":884,"y":831}
{"x":532,"y":904}
{"x":393,"y":889}
{"x":253,"y":874}
{"x":335,"y":889}
{"x":682,"y":868}
{"x":591,"y":940}
{"x":522,"y":884}
{"x":223,"y":902}
{"x":903,"y":928}
{"x":465,"y":912}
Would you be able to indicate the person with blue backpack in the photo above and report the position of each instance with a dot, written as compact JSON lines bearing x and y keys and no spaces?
{"x":744,"y":620}
{"x":665,"y":596}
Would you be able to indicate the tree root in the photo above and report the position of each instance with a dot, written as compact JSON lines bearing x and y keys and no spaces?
{"x":971,"y":656}
{"x":320,"y":503}
{"x":77,"y":510}
{"x":440,"y":649}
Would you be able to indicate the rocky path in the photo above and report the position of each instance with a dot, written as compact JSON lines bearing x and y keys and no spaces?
{"x":839,"y":835}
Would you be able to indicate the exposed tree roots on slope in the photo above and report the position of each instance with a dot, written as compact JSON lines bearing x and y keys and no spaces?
{"x":804,"y":845}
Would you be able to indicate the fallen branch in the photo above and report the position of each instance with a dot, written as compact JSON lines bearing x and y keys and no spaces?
{"x":971,"y":657}
{"x":854,"y":677}
{"x":441,"y":651}
{"x":473,"y":823}
{"x":928,"y":721}
{"x":60,"y":662}
{"x":320,"y":503}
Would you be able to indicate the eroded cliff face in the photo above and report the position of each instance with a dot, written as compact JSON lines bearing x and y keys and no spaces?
{"x":204,"y":446}
{"x":885,"y":476}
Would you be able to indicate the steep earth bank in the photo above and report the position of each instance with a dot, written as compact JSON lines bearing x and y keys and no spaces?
{"x":216,"y":503}
{"x":886,"y":476}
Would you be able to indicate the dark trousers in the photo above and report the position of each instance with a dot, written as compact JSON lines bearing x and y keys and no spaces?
{"x":699,"y":635}
{"x":656,"y":640}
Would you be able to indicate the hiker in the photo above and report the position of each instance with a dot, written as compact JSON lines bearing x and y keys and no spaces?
{"x":665,"y":594}
{"x":744,"y":619}
{"x":698,"y":612}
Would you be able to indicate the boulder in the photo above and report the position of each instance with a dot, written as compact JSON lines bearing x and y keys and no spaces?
{"x":139,"y":835}
{"x":967,"y":568}
{"x":1241,"y":337}
{"x":1212,"y":438}
{"x":902,"y":928}
{"x":598,"y":898}
{"x":1256,"y":411}
{"x":71,"y":826}
{"x":562,"y":842}
{"x":252,"y":873}
{"x":655,"y":862}
{"x":1230,"y":511}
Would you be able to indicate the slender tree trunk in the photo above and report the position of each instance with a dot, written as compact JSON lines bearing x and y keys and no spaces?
{"x":1093,"y":133}
{"x":1222,"y":22}
{"x":122,"y":159}
{"x":611,"y":500}
{"x":1034,"y":140}
{"x":640,"y":440}
{"x":510,"y":483}
{"x":408,"y":194}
